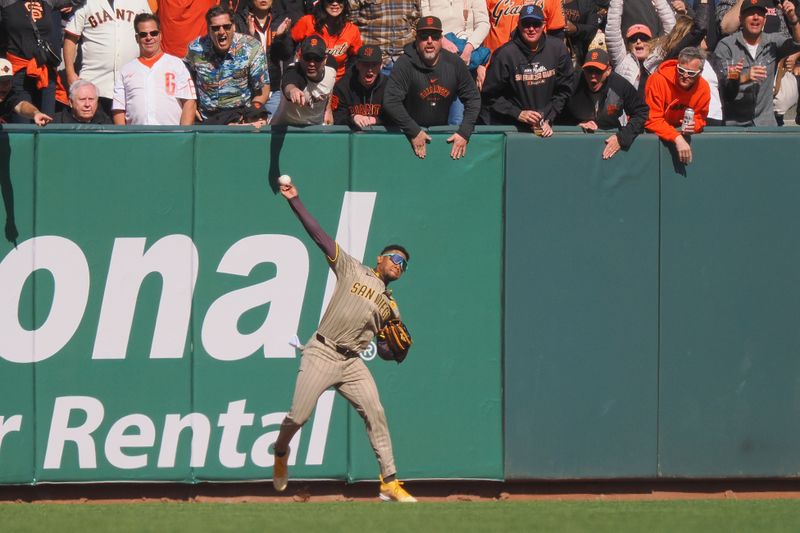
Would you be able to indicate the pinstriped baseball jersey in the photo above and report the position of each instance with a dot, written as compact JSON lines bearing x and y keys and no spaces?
{"x":360,"y":304}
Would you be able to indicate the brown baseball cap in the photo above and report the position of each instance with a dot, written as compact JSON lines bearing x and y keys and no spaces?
{"x":6,"y":72}
{"x":597,"y":58}
{"x":429,"y":23}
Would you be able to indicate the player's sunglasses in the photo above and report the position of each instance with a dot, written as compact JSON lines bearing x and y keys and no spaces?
{"x":638,"y":37}
{"x":217,"y":27}
{"x":683,"y":71}
{"x":143,"y":34}
{"x":397,"y":259}
{"x":312,"y":58}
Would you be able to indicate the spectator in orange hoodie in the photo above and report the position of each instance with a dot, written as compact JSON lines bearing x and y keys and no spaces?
{"x":675,"y":87}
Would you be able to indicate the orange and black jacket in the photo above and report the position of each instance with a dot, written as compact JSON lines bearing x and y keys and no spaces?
{"x":668,"y":102}
{"x":606,"y":107}
{"x":350,"y":98}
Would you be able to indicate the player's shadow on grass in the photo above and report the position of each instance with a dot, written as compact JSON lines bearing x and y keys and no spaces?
{"x":277,"y":138}
{"x":7,"y":190}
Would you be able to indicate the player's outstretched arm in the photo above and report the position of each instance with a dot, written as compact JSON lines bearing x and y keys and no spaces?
{"x":323,"y":240}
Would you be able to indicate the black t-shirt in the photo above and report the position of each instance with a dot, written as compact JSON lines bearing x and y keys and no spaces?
{"x":8,"y":104}
{"x":16,"y":30}
{"x":773,"y":20}
{"x":66,"y":117}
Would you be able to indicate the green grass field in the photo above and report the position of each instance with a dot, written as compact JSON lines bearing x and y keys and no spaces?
{"x":456,"y":517}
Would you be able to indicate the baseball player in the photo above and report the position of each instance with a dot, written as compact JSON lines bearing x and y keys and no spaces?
{"x":360,"y":306}
{"x":107,"y":42}
{"x":155,"y":88}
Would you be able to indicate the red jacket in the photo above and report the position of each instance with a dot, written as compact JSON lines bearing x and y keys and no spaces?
{"x":667,"y":101}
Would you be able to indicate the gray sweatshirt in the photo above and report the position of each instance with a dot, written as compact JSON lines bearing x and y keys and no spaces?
{"x":750,"y":104}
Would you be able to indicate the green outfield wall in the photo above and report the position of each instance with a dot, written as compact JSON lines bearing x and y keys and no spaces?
{"x":573,"y":318}
{"x":652,"y":309}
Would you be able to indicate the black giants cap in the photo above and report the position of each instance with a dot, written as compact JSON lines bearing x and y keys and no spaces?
{"x":763,"y":5}
{"x":429,"y":23}
{"x":313,"y":45}
{"x":370,"y":54}
{"x":597,"y":58}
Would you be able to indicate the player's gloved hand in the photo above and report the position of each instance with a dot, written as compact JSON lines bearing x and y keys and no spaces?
{"x":394,"y":341}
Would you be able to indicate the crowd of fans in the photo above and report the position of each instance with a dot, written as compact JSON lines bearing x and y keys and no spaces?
{"x":670,"y":67}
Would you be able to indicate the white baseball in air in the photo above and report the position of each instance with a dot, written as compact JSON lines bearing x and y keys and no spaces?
{"x":284,"y":179}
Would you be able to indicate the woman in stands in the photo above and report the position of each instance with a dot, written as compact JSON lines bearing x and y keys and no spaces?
{"x":635,"y":61}
{"x":23,"y":24}
{"x":329,"y":19}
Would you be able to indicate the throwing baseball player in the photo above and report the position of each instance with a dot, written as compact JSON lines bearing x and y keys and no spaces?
{"x":361,"y":308}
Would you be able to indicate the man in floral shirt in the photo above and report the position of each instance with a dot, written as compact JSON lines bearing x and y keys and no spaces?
{"x":229,"y":71}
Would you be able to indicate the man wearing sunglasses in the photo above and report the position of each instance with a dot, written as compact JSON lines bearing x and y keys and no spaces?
{"x":747,"y":61}
{"x":361,"y":304}
{"x":229,"y":71}
{"x":423,"y":85}
{"x":105,"y":33}
{"x":307,"y":87}
{"x":155,"y":88}
{"x":529,"y":79}
{"x":672,"y":89}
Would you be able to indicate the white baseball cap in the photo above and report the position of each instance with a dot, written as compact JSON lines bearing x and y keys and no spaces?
{"x":6,"y":72}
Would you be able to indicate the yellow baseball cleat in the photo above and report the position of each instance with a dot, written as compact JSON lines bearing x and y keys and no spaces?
{"x":280,"y":472}
{"x":394,"y":492}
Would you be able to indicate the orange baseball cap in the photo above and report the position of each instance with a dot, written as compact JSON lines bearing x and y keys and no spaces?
{"x":639,"y":28}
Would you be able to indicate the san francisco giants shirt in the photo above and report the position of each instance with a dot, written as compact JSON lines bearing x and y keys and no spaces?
{"x":148,"y":91}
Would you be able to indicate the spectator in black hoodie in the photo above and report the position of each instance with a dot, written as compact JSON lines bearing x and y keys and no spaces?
{"x":601,"y":97}
{"x":530,"y":77}
{"x":423,"y":84}
{"x":358,"y":96}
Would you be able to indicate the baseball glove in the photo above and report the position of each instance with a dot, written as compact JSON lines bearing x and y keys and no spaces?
{"x":394,"y":340}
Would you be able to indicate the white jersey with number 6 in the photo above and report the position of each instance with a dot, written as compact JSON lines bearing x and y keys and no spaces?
{"x":149,"y":94}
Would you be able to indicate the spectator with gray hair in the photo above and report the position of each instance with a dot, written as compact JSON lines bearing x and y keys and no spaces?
{"x":84,"y":108}
{"x":671,"y":91}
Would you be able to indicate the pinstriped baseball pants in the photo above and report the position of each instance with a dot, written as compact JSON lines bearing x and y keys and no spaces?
{"x":321,"y":368}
